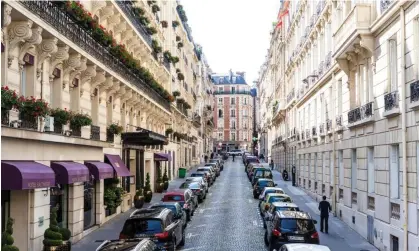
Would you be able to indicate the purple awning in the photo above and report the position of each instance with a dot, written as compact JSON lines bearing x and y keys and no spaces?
{"x":100,"y":170}
{"x":20,"y":175}
{"x":162,"y":157}
{"x":69,"y":172}
{"x":118,"y":165}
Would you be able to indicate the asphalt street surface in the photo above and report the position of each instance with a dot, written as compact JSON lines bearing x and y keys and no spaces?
{"x":229,"y":218}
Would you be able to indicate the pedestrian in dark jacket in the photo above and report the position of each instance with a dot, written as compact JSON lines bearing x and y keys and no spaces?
{"x":324,"y":208}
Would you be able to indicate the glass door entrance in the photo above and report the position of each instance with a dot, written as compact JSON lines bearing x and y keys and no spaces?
{"x":89,"y":204}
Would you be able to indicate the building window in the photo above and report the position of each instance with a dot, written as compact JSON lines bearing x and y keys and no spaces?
{"x":394,"y":172}
{"x":59,"y":200}
{"x":392,"y":64}
{"x":220,"y":113}
{"x":23,"y":81}
{"x":233,"y":101}
{"x":220,"y":135}
{"x":371,"y":203}
{"x":371,"y":172}
{"x":341,"y":171}
{"x":354,"y":198}
{"x":233,"y":136}
{"x":353,"y":169}
{"x":245,"y":101}
{"x":332,"y":168}
{"x":233,"y":89}
{"x":233,"y":113}
{"x":233,"y":124}
{"x":220,"y":101}
{"x":89,"y":204}
{"x":324,"y":167}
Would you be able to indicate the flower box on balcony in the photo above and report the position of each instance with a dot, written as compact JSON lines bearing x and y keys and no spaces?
{"x":414,"y":96}
{"x":391,"y":104}
{"x":361,"y":115}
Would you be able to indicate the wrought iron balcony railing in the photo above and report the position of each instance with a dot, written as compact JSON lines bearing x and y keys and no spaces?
{"x":232,"y":92}
{"x":320,"y":7}
{"x":385,"y":4}
{"x":303,"y":134}
{"x":391,"y":101}
{"x":328,"y":61}
{"x":414,"y":92}
{"x":360,"y":113}
{"x":329,"y":125}
{"x":65,"y":25}
{"x":321,"y":68}
{"x":127,"y":8}
{"x":94,"y":132}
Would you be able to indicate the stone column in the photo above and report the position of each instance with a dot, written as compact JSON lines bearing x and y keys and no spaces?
{"x":100,"y":210}
{"x":76,"y":210}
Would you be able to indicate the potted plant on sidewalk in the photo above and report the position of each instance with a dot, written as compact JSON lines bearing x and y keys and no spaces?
{"x":165,"y":179}
{"x":66,"y":234}
{"x":53,"y":239}
{"x":6,"y":237}
{"x":159,"y":181}
{"x":139,"y":199}
{"x":148,"y":194}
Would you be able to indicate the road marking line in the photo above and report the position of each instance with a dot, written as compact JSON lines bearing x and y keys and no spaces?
{"x":255,"y":223}
{"x":201,"y":211}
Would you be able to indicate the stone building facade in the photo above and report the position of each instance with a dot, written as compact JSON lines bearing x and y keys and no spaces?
{"x":116,"y":65}
{"x":346,"y":113}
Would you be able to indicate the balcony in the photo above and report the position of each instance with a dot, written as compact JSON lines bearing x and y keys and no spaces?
{"x":385,"y":4}
{"x":361,"y":115}
{"x":414,"y":96}
{"x":356,"y":24}
{"x":339,"y":123}
{"x":197,"y":120}
{"x":232,"y":92}
{"x":391,"y":104}
{"x":65,"y":25}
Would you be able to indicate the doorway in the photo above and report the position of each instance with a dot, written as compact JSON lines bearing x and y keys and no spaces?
{"x":89,"y":204}
{"x":370,"y":229}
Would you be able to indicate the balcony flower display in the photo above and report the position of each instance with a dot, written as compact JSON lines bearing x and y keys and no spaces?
{"x":175,"y":24}
{"x":10,"y":99}
{"x":61,"y":116}
{"x":180,"y":45}
{"x":164,"y":24}
{"x":79,"y":120}
{"x":180,"y":76}
{"x":156,"y":47}
{"x":115,"y":129}
{"x":178,"y":38}
{"x":176,"y":93}
{"x":76,"y":9}
{"x":151,"y":2}
{"x":155,"y":8}
{"x":175,"y":60}
{"x":33,"y":108}
{"x":168,"y":56}
{"x":101,"y":35}
{"x":151,"y":30}
{"x":138,"y":11}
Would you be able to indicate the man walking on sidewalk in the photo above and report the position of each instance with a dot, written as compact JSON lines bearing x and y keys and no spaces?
{"x":324,"y":208}
{"x":293,"y":171}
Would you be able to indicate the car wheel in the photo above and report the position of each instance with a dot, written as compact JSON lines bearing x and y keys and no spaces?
{"x":173,"y":247}
{"x":266,"y":238}
{"x":182,"y":242}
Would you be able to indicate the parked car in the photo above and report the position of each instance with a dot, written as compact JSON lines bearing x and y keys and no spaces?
{"x":260,"y":185}
{"x":299,"y":247}
{"x":136,"y":244}
{"x":216,"y":168}
{"x":268,"y":190}
{"x":251,"y":159}
{"x":208,"y":169}
{"x":244,"y":156}
{"x":185,"y":198}
{"x":178,"y":213}
{"x":219,"y":162}
{"x":290,"y":227}
{"x":202,"y":180}
{"x":261,"y":172}
{"x":277,"y":206}
{"x":206,"y":175}
{"x":155,"y":223}
{"x":271,"y":198}
{"x":235,"y":152}
{"x":197,"y":188}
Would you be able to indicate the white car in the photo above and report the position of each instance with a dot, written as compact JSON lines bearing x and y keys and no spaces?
{"x":303,"y":247}
{"x":270,"y":190}
{"x":235,"y":152}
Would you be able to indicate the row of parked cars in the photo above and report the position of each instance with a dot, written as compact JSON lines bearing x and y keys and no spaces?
{"x":287,"y":227}
{"x":162,"y":225}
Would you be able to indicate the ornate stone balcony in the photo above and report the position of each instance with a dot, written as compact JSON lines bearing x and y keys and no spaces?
{"x":391,"y":104}
{"x":385,"y":4}
{"x":361,"y":115}
{"x":414,"y":96}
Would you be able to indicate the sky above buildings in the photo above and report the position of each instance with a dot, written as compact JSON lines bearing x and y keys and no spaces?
{"x":234,"y":34}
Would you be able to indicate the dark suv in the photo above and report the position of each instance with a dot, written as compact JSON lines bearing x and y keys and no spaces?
{"x":178,"y":213}
{"x":157,"y":224}
{"x":290,"y":227}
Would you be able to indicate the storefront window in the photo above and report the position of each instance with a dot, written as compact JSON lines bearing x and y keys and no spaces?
{"x":59,"y":199}
{"x":89,"y":204}
{"x":5,"y":208}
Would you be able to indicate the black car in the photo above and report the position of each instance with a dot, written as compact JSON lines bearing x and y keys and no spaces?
{"x":155,"y":223}
{"x":136,"y":244}
{"x":178,"y":213}
{"x":261,"y":172}
{"x":197,"y":188}
{"x":260,"y":185}
{"x":210,"y":169}
{"x":290,"y":227}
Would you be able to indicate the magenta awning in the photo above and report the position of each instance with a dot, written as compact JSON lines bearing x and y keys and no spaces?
{"x":20,"y":175}
{"x":100,"y":170}
{"x":118,"y":165}
{"x":162,"y":157}
{"x":69,"y":172}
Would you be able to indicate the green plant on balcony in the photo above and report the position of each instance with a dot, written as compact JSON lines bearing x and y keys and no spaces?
{"x":178,"y":38}
{"x":61,"y":116}
{"x":164,"y":24}
{"x":176,"y":93}
{"x":180,"y":76}
{"x":77,"y":11}
{"x":180,"y":100}
{"x":175,"y":60}
{"x":151,"y":30}
{"x":187,"y":106}
{"x":79,"y":120}
{"x":138,"y":11}
{"x":100,"y":34}
{"x":179,"y":45}
{"x":6,"y":237}
{"x":155,"y":8}
{"x":168,"y":56}
{"x":115,"y":129}
{"x":144,"y":20}
{"x":156,"y":47}
{"x":151,"y":2}
{"x":169,"y":131}
{"x":177,"y":70}
{"x":175,"y":23}
{"x":10,"y":99}
{"x":182,"y":13}
{"x":33,"y":108}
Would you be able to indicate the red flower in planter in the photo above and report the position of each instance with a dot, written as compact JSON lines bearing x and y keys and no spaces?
{"x":6,"y":88}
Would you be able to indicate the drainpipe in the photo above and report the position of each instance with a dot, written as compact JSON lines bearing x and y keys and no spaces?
{"x":335,"y":184}
{"x":404,"y":129}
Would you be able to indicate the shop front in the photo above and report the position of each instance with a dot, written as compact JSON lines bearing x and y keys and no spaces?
{"x":161,"y":168}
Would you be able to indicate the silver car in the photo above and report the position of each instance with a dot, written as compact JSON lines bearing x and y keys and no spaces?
{"x":128,"y":245}
{"x":199,"y":179}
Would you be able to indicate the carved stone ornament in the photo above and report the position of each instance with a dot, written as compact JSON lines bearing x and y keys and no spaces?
{"x":58,"y":58}
{"x":7,"y":11}
{"x":81,"y":93}
{"x":46,"y":49}
{"x":18,"y":32}
{"x":35,"y":39}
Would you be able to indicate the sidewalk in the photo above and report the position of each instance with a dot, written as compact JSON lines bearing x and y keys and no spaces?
{"x":341,"y":237}
{"x":110,"y":230}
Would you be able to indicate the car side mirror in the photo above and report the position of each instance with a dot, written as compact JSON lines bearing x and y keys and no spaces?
{"x":314,"y":221}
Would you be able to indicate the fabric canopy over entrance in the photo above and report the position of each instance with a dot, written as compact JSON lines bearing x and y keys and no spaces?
{"x":20,"y":175}
{"x":69,"y":172}
{"x":118,"y":165}
{"x":162,"y":157}
{"x":100,"y":170}
{"x":143,"y":137}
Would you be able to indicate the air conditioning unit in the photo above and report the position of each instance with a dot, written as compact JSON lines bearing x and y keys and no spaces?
{"x":49,"y":124}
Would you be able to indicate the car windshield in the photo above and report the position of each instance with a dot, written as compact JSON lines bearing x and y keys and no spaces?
{"x":173,"y":198}
{"x":138,"y":227}
{"x":287,"y":209}
{"x":278,"y":199}
{"x":293,"y":225}
{"x":203,"y":170}
{"x":194,"y":185}
{"x":197,"y":174}
{"x":265,"y":183}
{"x":263,"y":173}
{"x":253,"y":160}
{"x":274,"y":191}
{"x":184,"y":185}
{"x":171,"y":207}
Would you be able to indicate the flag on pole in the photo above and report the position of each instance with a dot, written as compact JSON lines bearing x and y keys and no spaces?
{"x":282,"y":12}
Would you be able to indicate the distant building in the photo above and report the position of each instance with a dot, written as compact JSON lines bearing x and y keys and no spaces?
{"x":233,"y":111}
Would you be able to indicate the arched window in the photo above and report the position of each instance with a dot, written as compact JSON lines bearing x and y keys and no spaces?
{"x":220,"y":113}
